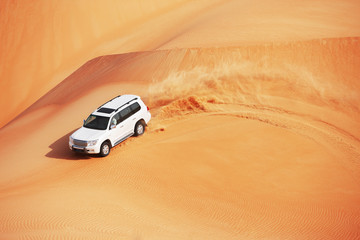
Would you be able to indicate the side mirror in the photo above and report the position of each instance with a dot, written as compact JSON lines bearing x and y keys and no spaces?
{"x":112,"y":126}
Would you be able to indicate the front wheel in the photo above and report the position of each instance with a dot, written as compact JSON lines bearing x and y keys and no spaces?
{"x":139,"y":128}
{"x":105,"y":149}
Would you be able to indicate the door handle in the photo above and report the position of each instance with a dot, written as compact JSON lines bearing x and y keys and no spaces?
{"x":121,"y":126}
{"x":134,"y":118}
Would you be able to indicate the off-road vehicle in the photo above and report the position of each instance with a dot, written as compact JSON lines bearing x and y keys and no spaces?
{"x":110,"y":124}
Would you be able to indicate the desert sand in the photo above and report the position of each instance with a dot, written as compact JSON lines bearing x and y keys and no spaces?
{"x":255,"y":130}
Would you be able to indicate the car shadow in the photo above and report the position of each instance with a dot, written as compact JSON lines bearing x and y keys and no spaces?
{"x":60,"y":150}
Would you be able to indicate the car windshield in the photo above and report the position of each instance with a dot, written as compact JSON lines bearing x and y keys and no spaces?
{"x":96,"y":122}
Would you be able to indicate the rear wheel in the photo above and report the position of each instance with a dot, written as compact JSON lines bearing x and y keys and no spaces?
{"x":139,"y":128}
{"x":105,"y":149}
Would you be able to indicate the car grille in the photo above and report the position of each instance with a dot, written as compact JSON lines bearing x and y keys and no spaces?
{"x":80,"y":143}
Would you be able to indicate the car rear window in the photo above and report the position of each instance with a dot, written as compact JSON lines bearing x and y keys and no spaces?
{"x":135,"y":107}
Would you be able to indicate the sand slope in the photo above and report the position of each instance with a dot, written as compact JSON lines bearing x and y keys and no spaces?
{"x":245,"y":143}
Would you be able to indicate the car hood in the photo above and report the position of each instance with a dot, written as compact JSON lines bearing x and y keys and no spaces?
{"x":87,"y":134}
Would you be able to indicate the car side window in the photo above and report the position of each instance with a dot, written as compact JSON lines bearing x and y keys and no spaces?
{"x":115,"y":120}
{"x":135,"y":107}
{"x":125,"y":113}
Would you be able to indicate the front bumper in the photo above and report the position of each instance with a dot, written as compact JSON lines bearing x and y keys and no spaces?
{"x":81,"y":149}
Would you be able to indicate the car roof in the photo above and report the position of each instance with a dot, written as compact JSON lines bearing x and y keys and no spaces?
{"x":115,"y":104}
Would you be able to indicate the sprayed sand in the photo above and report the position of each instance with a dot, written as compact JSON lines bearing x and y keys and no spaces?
{"x":252,"y":141}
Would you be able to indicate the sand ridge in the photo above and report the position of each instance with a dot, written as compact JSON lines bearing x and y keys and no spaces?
{"x":45,"y":42}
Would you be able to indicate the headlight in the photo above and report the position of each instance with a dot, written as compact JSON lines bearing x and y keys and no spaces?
{"x":71,"y":140}
{"x":92,"y":143}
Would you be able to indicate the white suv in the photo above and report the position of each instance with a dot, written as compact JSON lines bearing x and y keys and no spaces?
{"x":110,"y":124}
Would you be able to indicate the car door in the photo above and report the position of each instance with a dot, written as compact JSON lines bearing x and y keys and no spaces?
{"x":125,"y":123}
{"x":135,"y":113}
{"x":115,"y":133}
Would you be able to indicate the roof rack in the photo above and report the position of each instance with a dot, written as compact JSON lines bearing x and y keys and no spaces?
{"x":125,"y":104}
{"x":108,"y":101}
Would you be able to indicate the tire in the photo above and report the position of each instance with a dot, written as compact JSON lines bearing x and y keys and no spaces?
{"x":105,"y":149}
{"x":139,"y":128}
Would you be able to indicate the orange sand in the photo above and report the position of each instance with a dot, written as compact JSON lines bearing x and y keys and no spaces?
{"x":255,"y":131}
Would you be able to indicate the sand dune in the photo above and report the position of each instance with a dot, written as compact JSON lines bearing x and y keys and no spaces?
{"x":278,"y":75}
{"x":255,"y":130}
{"x":245,"y":142}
